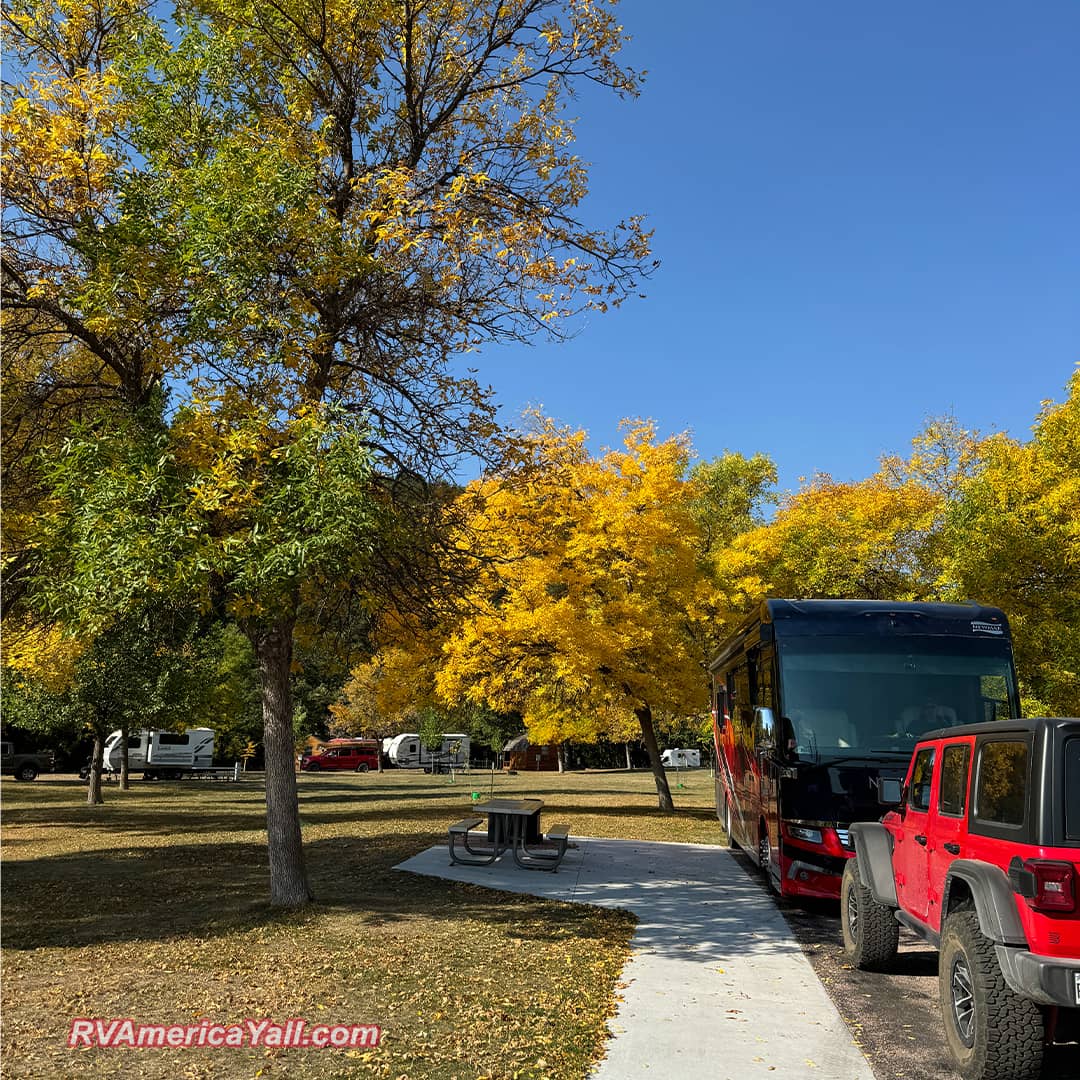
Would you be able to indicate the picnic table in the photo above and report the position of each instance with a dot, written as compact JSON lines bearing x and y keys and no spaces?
{"x":512,"y":825}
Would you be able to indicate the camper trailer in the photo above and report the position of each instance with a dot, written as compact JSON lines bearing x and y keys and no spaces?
{"x":409,"y":752}
{"x":162,"y":755}
{"x":681,"y":759}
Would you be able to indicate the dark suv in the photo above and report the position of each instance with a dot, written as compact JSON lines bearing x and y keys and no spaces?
{"x":981,"y":859}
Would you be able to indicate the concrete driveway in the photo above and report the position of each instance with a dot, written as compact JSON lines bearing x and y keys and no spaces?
{"x":717,"y":987}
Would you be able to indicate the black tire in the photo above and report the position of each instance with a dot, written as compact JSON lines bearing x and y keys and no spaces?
{"x":313,"y":766}
{"x":26,"y":772}
{"x":991,"y":1033}
{"x":870,"y":930}
{"x":362,"y":767}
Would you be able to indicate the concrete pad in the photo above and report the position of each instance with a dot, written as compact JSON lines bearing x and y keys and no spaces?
{"x":717,"y":987}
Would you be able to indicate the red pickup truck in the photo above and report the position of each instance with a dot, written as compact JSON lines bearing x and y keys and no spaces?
{"x":982,"y":859}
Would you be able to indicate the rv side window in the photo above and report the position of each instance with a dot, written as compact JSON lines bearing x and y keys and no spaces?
{"x":720,"y":708}
{"x":742,"y":712}
{"x":765,"y":697}
{"x":168,"y":738}
{"x":134,"y":742}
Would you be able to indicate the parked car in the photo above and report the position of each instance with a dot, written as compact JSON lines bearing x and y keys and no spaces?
{"x":23,"y":765}
{"x":981,"y":859}
{"x":357,"y":755}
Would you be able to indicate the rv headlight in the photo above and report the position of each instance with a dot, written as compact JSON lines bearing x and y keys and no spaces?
{"x":801,"y":832}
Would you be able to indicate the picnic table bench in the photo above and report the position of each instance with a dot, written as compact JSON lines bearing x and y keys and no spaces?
{"x":514,"y":825}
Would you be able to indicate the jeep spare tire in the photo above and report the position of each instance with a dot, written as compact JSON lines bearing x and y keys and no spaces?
{"x":870,"y":930}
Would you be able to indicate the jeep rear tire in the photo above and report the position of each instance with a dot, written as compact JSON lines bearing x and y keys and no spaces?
{"x":870,"y":930}
{"x":991,"y":1033}
{"x":27,"y":771}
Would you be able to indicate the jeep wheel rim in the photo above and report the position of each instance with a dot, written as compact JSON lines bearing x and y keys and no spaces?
{"x":963,"y":1001}
{"x":852,"y":913}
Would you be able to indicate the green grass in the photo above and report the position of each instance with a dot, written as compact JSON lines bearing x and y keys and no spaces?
{"x":153,"y":906}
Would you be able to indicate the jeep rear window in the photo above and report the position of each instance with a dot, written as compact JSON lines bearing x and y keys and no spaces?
{"x":1001,"y":790}
{"x":1072,"y":789}
{"x":954,"y":778}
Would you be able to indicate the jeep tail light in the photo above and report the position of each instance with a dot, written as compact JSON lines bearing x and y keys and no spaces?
{"x":1054,"y":885}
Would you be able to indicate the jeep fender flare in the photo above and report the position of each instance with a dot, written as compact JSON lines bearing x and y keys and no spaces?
{"x":874,"y":848}
{"x":995,"y":902}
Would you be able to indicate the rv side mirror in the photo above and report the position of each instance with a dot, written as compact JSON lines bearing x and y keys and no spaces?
{"x":764,"y":730}
{"x":890,"y":792}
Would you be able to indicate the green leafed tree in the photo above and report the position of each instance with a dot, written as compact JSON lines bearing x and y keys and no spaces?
{"x":295,"y":204}
{"x":150,"y":667}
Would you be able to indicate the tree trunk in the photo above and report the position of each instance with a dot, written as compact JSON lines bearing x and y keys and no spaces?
{"x":562,"y":757}
{"x":93,"y":788}
{"x":629,"y":764}
{"x":644,"y":715}
{"x":288,"y":876}
{"x":125,"y":773}
{"x":379,"y":740}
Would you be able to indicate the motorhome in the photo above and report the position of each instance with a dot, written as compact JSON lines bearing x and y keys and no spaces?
{"x":681,"y":759}
{"x":409,"y":752}
{"x":162,"y":755}
{"x":816,"y":706}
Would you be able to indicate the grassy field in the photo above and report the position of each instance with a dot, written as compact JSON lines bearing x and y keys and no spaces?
{"x":153,"y":907}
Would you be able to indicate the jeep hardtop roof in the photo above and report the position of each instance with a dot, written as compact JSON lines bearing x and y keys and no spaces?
{"x":998,"y":727}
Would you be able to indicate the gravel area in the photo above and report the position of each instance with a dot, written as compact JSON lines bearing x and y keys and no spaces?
{"x":895,"y":1016}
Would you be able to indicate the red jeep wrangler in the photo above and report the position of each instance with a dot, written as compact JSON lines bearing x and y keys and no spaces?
{"x":981,"y":859}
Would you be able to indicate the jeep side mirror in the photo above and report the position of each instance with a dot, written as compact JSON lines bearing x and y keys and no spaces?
{"x":890,"y":792}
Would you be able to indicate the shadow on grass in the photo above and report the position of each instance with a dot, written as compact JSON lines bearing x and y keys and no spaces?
{"x":687,"y":813}
{"x":157,"y":894}
{"x":163,"y":819}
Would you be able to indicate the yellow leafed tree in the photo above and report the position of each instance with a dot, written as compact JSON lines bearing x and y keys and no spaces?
{"x":865,"y":540}
{"x":1014,"y":540}
{"x":590,"y":581}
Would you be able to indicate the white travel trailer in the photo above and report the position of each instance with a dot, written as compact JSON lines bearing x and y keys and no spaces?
{"x":681,"y":759}
{"x":162,"y":754}
{"x":409,"y":752}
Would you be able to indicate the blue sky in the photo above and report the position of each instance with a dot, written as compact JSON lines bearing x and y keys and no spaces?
{"x":867,"y":214}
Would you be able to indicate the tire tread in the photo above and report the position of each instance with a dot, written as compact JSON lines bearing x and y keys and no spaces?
{"x":1010,"y":1044}
{"x":879,"y":936}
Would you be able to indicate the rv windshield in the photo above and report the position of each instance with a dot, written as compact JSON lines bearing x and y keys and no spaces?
{"x":842,"y":696}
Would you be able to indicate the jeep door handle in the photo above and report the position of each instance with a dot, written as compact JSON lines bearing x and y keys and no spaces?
{"x":920,"y":840}
{"x":952,"y":849}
